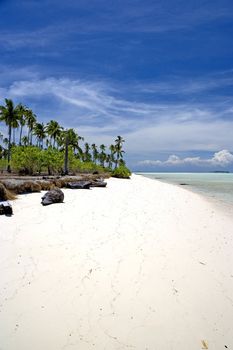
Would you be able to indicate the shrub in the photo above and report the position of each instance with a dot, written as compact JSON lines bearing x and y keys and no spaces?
{"x":3,"y":164}
{"x":77,"y":166}
{"x":27,"y":160}
{"x":122,"y":172}
{"x":53,"y":160}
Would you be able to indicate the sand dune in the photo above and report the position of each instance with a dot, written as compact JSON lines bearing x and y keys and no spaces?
{"x":139,"y":265}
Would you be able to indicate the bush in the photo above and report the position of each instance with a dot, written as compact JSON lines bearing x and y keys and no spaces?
{"x":27,"y":160}
{"x":3,"y":164}
{"x":78,"y":166}
{"x":122,"y":172}
{"x":53,"y":160}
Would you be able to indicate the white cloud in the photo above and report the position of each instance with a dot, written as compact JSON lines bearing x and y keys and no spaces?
{"x":221,"y":158}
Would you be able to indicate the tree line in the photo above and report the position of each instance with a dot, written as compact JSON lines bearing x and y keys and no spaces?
{"x":27,"y":135}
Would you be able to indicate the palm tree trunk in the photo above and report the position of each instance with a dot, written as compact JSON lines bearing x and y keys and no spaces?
{"x":20,"y":135}
{"x":30,"y":137}
{"x":66,"y":171}
{"x":9,"y":150}
{"x":117,"y":160}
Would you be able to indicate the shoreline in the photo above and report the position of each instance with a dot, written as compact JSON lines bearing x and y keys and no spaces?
{"x":140,"y":264}
{"x":221,"y":204}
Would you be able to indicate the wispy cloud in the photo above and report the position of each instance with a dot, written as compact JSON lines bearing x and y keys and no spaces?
{"x":37,"y":38}
{"x":98,"y":17}
{"x":187,"y":86}
{"x":100,"y":111}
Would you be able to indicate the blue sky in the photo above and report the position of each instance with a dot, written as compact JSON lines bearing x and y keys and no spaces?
{"x":159,"y":73}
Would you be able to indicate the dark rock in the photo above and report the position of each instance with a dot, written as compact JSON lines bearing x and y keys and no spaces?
{"x":5,"y":208}
{"x":79,"y":185}
{"x":95,"y":172}
{"x":183,"y":184}
{"x":53,"y":196}
{"x":2,"y":212}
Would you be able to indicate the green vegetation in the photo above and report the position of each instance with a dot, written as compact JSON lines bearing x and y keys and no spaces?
{"x":121,"y":172}
{"x":32,"y":147}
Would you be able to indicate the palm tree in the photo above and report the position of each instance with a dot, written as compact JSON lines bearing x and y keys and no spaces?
{"x":31,"y":121}
{"x":1,"y":148}
{"x":95,"y":153}
{"x":112,"y":159}
{"x":5,"y":141}
{"x":102,"y":155}
{"x":22,"y":110}
{"x":25,"y":141}
{"x":109,"y":161}
{"x":122,"y":162}
{"x":54,"y":130}
{"x":39,"y":132}
{"x":9,"y":115}
{"x":73,"y":139}
{"x":118,"y":149}
{"x":87,"y":155}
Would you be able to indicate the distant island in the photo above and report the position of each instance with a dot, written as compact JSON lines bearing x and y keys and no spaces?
{"x":221,"y":172}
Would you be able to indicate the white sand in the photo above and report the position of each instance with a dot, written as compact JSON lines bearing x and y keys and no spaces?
{"x":138,"y":265}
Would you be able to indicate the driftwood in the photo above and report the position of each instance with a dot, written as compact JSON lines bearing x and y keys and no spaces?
{"x":5,"y":208}
{"x":53,"y":196}
{"x":98,"y":183}
{"x":5,"y":194}
{"x":27,"y":184}
{"x":79,"y":185}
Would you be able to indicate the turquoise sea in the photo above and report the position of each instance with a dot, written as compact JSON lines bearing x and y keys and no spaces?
{"x":218,"y":186}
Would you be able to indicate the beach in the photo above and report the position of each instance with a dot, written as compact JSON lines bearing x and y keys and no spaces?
{"x":139,"y":265}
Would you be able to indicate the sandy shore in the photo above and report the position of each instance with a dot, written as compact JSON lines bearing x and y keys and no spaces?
{"x":139,"y":265}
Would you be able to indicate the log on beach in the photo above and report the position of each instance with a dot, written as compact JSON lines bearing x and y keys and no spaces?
{"x":79,"y":185}
{"x":98,"y":183}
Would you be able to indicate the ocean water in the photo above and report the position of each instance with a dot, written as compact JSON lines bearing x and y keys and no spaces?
{"x":218,"y":186}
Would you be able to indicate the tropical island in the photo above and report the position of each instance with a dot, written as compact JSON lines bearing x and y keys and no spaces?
{"x":33,"y":149}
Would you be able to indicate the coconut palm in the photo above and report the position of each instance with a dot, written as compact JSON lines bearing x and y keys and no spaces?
{"x":118,"y":149}
{"x":95,"y":153}
{"x":31,"y":122}
{"x":112,"y":154}
{"x":87,"y":154}
{"x":40,"y":133}
{"x":22,"y":110}
{"x":5,"y":141}
{"x":102,"y":155}
{"x":25,"y":141}
{"x":54,"y":130}
{"x":73,"y":139}
{"x":122,"y":162}
{"x":9,"y":115}
{"x":15,"y":125}
{"x":109,"y":161}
